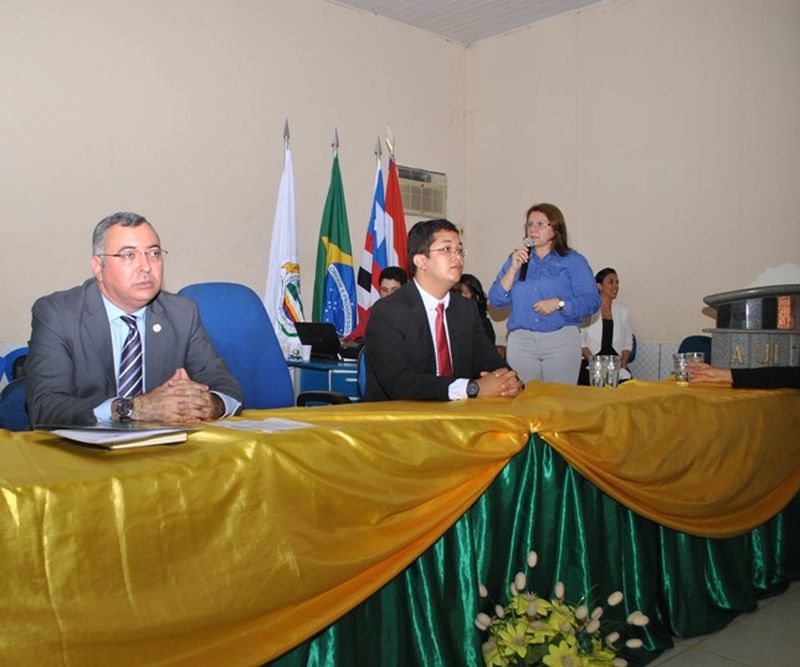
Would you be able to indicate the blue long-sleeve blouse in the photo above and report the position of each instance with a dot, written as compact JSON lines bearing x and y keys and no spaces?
{"x":567,"y":277}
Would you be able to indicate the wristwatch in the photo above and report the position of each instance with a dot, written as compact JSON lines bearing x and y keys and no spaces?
{"x":562,"y":304}
{"x":472,"y":389}
{"x":124,"y":408}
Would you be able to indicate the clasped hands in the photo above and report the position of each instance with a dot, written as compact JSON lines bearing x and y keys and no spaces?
{"x":502,"y":382}
{"x":180,"y":400}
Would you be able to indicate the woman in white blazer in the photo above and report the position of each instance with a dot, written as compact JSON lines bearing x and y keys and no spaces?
{"x":609,"y":330}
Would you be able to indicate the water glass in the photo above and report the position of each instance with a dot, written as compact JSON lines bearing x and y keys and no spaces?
{"x":597,"y":372}
{"x":612,"y":365}
{"x":681,"y":362}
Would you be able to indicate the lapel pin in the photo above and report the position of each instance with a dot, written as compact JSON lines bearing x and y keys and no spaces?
{"x":156,"y":328}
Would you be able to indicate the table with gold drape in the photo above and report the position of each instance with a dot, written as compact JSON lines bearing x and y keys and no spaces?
{"x":237,"y":546}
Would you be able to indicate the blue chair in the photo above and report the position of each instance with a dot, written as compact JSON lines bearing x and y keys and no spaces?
{"x":13,"y":414}
{"x":238,"y":325}
{"x":14,"y":360}
{"x":697,"y":344}
{"x":241,"y":331}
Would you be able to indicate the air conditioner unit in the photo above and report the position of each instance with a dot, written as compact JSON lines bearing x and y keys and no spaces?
{"x":424,"y":192}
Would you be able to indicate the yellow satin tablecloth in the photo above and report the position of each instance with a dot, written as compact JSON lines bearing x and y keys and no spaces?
{"x":706,"y":460}
{"x":232,"y":547}
{"x":235,"y":546}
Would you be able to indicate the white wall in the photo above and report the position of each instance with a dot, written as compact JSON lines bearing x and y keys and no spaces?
{"x":175,"y":109}
{"x":667,"y":130}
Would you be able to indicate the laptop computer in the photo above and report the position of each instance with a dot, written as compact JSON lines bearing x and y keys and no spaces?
{"x":322,"y":338}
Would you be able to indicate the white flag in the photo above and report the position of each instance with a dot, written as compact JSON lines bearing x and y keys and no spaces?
{"x":282,"y":295}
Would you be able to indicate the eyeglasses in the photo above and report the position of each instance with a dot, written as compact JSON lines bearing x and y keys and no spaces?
{"x":130,"y":256}
{"x":537,"y":224}
{"x":450,"y":250}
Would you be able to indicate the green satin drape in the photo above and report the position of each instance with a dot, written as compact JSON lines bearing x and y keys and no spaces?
{"x":687,"y":585}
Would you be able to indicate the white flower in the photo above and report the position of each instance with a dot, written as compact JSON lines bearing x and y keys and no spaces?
{"x":611,"y":637}
{"x":638,"y":618}
{"x":592,"y":626}
{"x":634,"y":643}
{"x":559,"y":590}
{"x":619,"y":662}
{"x":488,"y":647}
{"x":581,"y":612}
{"x":531,"y":610}
{"x":532,"y":559}
{"x":597,"y":612}
{"x":482,"y":591}
{"x":513,"y":590}
{"x":519,"y":581}
{"x":500,"y":611}
{"x":482,"y":621}
{"x":614,"y":599}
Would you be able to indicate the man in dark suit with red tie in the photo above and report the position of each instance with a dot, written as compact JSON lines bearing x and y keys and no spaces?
{"x":425,"y":343}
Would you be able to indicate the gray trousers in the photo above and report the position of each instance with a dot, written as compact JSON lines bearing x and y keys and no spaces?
{"x":552,"y":356}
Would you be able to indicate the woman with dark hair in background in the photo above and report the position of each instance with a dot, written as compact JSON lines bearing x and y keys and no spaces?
{"x":550,"y":289}
{"x":609,"y":330}
{"x":470,"y":287}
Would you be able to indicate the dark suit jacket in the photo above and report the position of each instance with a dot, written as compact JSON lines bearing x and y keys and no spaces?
{"x":768,"y":377}
{"x":70,"y":365}
{"x":400,"y":357}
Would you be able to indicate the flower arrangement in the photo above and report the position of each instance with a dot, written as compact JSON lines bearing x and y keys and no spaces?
{"x":531,"y":630}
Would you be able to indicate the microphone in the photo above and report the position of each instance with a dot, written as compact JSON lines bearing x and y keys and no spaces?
{"x":523,"y":270}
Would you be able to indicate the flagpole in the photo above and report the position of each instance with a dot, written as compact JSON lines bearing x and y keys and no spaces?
{"x":390,"y":141}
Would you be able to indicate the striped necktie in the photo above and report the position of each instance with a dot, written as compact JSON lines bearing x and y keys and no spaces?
{"x":130,"y":364}
{"x":443,"y":366}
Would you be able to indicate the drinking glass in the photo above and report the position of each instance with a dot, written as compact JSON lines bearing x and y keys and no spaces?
{"x":597,"y":372}
{"x":681,"y":362}
{"x":612,"y":366}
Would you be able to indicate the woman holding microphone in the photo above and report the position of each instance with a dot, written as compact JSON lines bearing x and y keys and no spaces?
{"x":550,"y":289}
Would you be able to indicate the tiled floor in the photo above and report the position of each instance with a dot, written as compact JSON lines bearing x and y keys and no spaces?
{"x":769,"y":637}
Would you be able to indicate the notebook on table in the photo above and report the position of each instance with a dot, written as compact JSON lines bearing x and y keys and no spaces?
{"x":123,"y":435}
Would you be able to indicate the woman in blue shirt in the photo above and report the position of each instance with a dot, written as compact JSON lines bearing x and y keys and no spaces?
{"x":550,"y":289}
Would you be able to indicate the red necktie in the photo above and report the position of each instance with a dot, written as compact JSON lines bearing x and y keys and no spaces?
{"x":442,"y":349}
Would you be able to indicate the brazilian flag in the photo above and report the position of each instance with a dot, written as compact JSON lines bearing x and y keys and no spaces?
{"x":335,"y":282}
